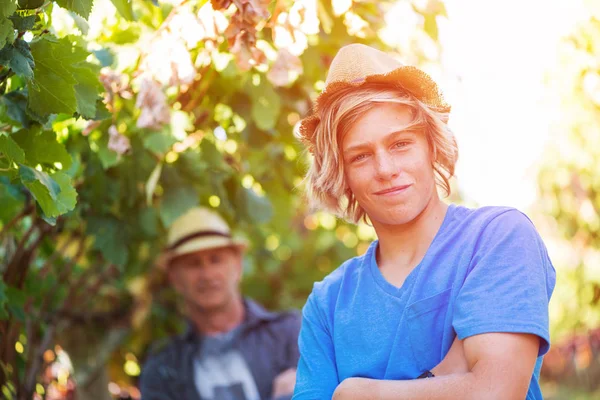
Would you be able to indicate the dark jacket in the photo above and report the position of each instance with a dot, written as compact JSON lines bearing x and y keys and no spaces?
{"x":268,"y":342}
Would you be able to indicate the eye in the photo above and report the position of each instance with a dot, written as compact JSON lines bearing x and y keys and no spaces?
{"x":359,"y":157}
{"x":400,"y":144}
{"x":215,"y":258}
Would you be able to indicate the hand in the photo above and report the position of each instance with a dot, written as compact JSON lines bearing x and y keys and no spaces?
{"x":283,"y":384}
{"x":455,"y":361}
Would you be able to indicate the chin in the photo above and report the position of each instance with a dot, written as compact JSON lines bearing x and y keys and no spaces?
{"x":398,"y":215}
{"x":212,"y":302}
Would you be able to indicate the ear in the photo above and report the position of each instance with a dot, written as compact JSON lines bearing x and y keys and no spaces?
{"x":239,"y":262}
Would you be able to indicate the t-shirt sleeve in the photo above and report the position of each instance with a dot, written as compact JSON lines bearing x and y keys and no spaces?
{"x":509,"y":284}
{"x":316,"y":377}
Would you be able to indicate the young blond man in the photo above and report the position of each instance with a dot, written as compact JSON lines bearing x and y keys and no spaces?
{"x":455,"y":295}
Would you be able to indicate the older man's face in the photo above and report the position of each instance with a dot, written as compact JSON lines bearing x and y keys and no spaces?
{"x":207,"y":279}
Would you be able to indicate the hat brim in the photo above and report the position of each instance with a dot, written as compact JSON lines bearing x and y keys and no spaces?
{"x":408,"y":78}
{"x":207,"y":243}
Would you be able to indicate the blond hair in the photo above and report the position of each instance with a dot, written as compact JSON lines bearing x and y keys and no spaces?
{"x":325,"y":179}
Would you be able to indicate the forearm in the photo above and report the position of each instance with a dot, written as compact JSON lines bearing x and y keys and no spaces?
{"x":449,"y":387}
{"x":462,"y":386}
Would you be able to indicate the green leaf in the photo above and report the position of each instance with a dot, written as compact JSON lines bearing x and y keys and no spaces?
{"x":49,"y":220}
{"x":42,"y":147}
{"x":159,"y":142}
{"x":266,"y":106}
{"x":17,"y":57}
{"x":23,"y":23}
{"x":12,"y":199}
{"x":102,"y":112}
{"x":44,"y":189}
{"x":110,"y":238}
{"x":80,"y":23}
{"x":176,"y":202}
{"x":257,"y":208}
{"x":63,"y":81}
{"x":7,"y":8}
{"x":149,"y":222}
{"x":81,"y":7}
{"x":11,"y":149}
{"x":29,"y":174}
{"x":130,"y":34}
{"x":124,"y":8}
{"x":52,"y":89}
{"x":212,"y":156}
{"x":108,"y":158}
{"x":86,"y":95}
{"x":431,"y":27}
{"x":67,"y":198}
{"x":88,"y":85}
{"x":16,"y":107}
{"x":7,"y":32}
{"x":30,"y":4}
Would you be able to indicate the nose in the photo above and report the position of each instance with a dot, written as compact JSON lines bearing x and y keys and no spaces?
{"x":387,"y":166}
{"x":208,"y":272}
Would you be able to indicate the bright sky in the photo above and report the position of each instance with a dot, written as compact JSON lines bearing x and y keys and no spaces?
{"x":495,"y":56}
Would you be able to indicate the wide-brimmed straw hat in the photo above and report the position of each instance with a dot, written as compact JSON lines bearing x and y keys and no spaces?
{"x":357,"y":64}
{"x":199,"y":229}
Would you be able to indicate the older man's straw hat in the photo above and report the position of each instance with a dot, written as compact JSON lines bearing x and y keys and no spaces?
{"x":200,"y":229}
{"x":357,"y":64}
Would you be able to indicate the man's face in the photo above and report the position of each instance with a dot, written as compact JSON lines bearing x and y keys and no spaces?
{"x":388,"y":169}
{"x":207,"y":279}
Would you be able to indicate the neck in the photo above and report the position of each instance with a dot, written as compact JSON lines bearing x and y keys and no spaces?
{"x":218,"y":320}
{"x":405,"y":245}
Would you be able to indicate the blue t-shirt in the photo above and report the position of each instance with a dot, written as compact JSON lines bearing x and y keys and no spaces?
{"x":487,"y":270}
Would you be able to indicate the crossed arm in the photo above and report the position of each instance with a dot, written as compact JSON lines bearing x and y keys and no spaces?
{"x":493,"y":366}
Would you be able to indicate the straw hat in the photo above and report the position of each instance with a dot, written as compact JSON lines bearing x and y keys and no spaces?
{"x":356,"y":64}
{"x":199,"y":229}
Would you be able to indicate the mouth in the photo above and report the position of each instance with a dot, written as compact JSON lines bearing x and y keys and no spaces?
{"x":392,"y":191}
{"x":208,"y":288}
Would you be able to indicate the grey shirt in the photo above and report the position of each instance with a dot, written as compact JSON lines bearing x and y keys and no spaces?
{"x":220,"y":371}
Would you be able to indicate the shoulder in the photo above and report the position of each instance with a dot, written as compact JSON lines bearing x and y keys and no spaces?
{"x":487,"y":214}
{"x":509,"y":221}
{"x":344,"y":274}
{"x":162,"y":356}
{"x":505,"y":233}
{"x":258,"y":318}
{"x":325,"y":292}
{"x":287,"y":321}
{"x":492,"y":220}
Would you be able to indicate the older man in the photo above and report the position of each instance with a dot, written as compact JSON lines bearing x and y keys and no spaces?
{"x":233,"y":348}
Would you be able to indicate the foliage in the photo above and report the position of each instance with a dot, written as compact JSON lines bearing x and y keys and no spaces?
{"x":570,"y":194}
{"x":568,"y":182}
{"x":114,"y":123}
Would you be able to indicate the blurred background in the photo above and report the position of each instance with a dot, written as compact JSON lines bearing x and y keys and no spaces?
{"x":117,"y":116}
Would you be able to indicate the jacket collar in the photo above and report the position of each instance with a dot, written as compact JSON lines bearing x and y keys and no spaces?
{"x":255,"y":314}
